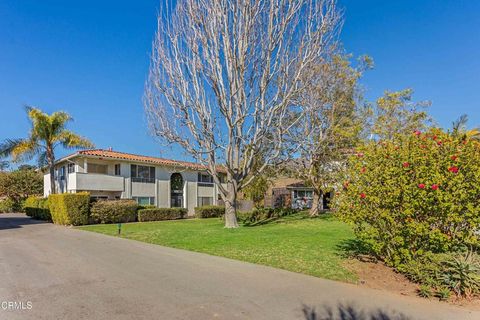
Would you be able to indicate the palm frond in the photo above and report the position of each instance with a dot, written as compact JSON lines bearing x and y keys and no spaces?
{"x":42,"y":159}
{"x":26,"y":150}
{"x":70,"y":140}
{"x":4,"y":165}
{"x":58,"y":121}
{"x":474,"y":134}
{"x":8,"y":145}
{"x":458,"y":126}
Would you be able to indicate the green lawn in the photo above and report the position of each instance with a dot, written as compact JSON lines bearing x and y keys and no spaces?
{"x":296,"y":243}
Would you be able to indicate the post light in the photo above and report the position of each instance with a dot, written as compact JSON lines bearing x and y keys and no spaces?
{"x":119,"y":228}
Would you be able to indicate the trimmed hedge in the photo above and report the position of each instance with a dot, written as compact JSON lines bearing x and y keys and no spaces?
{"x":209,"y":212}
{"x":158,"y":214}
{"x":37,"y":208}
{"x":146,"y":206}
{"x":113,"y":211}
{"x":69,"y":208}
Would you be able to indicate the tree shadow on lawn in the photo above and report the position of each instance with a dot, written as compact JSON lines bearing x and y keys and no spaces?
{"x":356,"y":249}
{"x":350,"y":312}
{"x":303,"y":215}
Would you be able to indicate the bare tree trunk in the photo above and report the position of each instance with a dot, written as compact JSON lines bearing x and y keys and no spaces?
{"x":231,"y":207}
{"x":231,"y":214}
{"x":317,"y":204}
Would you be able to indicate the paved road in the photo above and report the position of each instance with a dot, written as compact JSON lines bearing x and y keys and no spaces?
{"x":63,"y":273}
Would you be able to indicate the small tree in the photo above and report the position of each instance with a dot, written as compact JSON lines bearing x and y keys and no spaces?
{"x":331,"y":128}
{"x":256,"y":190}
{"x":225,"y":77}
{"x":20,"y":184}
{"x":395,"y":114}
{"x":414,"y":194}
{"x":47,"y":133}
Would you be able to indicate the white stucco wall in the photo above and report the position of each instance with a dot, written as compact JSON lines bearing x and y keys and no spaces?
{"x":191,"y":197}
{"x":163,"y":193}
{"x":46,"y":185}
{"x":143,"y":189}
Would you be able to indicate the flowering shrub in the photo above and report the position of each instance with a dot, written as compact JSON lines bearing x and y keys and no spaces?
{"x":417,"y":194}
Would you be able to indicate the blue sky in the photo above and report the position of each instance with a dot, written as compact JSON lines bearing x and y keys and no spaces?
{"x":90,"y":58}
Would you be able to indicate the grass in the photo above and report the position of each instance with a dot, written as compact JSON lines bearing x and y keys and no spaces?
{"x":296,"y":243}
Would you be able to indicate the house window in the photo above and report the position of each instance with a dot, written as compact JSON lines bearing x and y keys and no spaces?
{"x":71,"y":167}
{"x":117,"y":169}
{"x":205,"y":201}
{"x":143,"y":174}
{"x":62,"y":173}
{"x":145,"y":201}
{"x":302,"y":194}
{"x":97,"y":168}
{"x":96,"y":198}
{"x":205,"y":180}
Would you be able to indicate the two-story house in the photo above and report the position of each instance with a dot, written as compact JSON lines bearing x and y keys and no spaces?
{"x":108,"y":174}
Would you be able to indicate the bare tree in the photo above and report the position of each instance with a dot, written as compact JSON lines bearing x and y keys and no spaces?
{"x":332,"y":126}
{"x":225,"y":77}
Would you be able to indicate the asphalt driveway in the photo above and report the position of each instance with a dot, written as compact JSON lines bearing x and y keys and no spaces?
{"x":54,"y":272}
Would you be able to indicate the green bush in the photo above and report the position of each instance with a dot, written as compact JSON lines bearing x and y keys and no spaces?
{"x":7,"y":206}
{"x":113,"y":211}
{"x":413,"y":195}
{"x":425,"y":291}
{"x":37,"y":208}
{"x":443,"y":294}
{"x":462,"y":274}
{"x":146,"y":206}
{"x":69,"y":208}
{"x":158,"y":214}
{"x":456,"y":272}
{"x":209,"y":212}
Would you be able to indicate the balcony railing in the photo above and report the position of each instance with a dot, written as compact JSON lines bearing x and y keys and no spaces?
{"x":143,"y":180}
{"x":205,"y":184}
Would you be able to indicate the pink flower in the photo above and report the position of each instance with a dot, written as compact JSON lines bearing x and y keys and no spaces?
{"x":434,"y":186}
{"x":417,"y":133}
{"x":421,"y":186}
{"x":363,"y":195}
{"x":363,"y":170}
{"x":406,"y":164}
{"x":360,"y":155}
{"x":453,"y":169}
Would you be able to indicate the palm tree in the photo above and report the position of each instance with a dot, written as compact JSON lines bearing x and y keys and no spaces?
{"x":47,"y":133}
{"x":459,"y":128}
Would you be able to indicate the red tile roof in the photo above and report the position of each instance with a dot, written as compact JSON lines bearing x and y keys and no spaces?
{"x":101,"y":153}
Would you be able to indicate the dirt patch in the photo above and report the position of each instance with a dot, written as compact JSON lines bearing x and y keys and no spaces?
{"x":377,"y":275}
